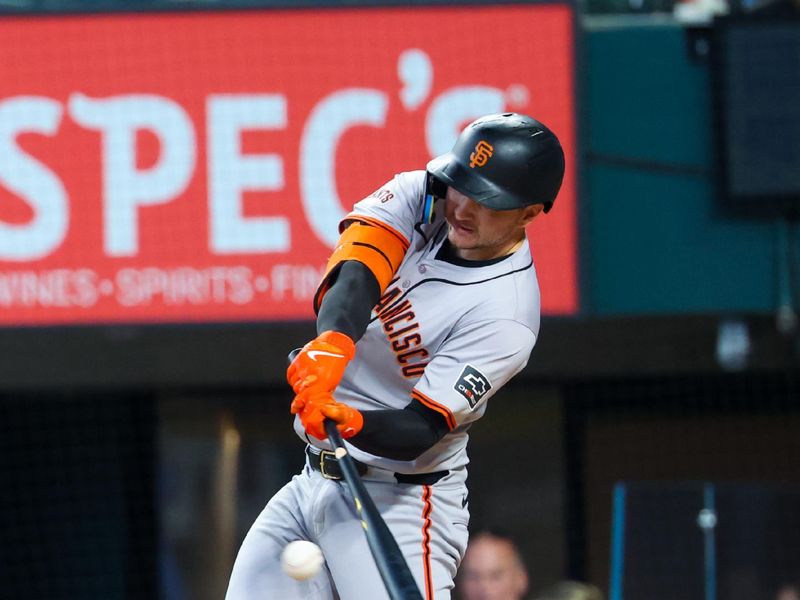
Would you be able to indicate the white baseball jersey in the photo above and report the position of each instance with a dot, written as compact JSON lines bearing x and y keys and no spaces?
{"x":447,"y":335}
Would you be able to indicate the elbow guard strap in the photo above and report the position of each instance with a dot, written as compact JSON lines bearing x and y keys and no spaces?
{"x":377,"y":247}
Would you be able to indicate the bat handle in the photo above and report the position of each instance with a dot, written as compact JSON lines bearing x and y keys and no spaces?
{"x":334,"y":437}
{"x":293,"y":354}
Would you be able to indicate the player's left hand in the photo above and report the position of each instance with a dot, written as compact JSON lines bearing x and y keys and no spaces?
{"x":321,"y":362}
{"x":314,"y":406}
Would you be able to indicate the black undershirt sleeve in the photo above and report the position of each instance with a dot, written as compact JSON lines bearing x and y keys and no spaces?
{"x":400,"y":434}
{"x":347,"y":305}
{"x":397,"y":434}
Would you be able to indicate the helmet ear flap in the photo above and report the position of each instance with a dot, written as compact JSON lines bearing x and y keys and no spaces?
{"x":435,"y":189}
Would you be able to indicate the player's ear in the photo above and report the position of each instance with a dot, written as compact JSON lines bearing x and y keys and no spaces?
{"x":529,"y":213}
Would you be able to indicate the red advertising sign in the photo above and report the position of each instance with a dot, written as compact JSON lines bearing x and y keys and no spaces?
{"x":193,"y":167}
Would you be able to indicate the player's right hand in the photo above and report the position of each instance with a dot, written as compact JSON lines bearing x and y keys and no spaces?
{"x":321,"y":362}
{"x":314,"y":406}
{"x":307,"y":405}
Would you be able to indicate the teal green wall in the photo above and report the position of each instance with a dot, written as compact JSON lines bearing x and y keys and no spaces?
{"x":654,"y":237}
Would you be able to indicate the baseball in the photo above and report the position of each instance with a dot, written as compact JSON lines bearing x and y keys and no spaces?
{"x":301,"y":559}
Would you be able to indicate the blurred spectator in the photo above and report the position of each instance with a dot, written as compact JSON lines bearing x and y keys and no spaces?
{"x":571,"y":590}
{"x":492,"y":569}
{"x":788,"y":592}
{"x":699,"y":12}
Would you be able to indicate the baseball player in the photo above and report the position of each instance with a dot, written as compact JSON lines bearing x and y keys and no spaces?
{"x":428,"y":306}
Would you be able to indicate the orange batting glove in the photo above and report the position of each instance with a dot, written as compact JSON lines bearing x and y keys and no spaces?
{"x":308,"y":399}
{"x":349,"y":420}
{"x":314,"y":406}
{"x":321,"y":362}
{"x":307,"y":406}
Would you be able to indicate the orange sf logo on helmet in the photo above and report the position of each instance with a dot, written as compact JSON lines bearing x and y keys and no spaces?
{"x":483,"y":152}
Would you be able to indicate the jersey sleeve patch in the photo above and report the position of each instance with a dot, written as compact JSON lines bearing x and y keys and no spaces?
{"x":473,"y":385}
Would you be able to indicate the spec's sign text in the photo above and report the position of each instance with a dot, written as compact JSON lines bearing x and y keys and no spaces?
{"x":194,"y":167}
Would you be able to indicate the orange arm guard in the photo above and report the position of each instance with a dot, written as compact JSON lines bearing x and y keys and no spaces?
{"x":379,"y":247}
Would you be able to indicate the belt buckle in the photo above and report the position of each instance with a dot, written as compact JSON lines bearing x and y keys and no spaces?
{"x":322,"y":455}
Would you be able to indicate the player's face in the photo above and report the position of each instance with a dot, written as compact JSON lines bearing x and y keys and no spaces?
{"x":480,"y":233}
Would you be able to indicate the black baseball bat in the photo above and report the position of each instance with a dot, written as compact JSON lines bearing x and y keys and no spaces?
{"x":392,"y":566}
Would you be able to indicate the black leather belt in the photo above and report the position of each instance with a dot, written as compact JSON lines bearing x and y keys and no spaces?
{"x":326,"y":463}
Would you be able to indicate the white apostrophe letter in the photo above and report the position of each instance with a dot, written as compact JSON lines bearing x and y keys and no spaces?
{"x":126,"y":188}
{"x":230,"y":173}
{"x":31,"y":180}
{"x":454,"y":108}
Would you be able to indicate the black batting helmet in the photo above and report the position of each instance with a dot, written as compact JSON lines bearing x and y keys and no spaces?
{"x":504,"y":161}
